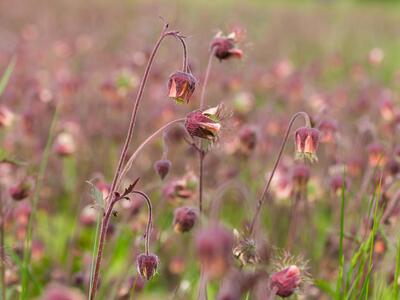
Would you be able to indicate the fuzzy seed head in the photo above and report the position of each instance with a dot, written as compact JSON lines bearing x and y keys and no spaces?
{"x":286,"y":281}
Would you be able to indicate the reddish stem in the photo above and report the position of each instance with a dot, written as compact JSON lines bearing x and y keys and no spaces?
{"x":149,"y":220}
{"x":268,"y":183}
{"x":112,"y":200}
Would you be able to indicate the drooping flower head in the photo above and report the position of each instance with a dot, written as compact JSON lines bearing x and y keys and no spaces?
{"x":307,"y":141}
{"x":147,"y":265}
{"x":162,"y":167}
{"x":224,"y":47}
{"x":181,"y":86}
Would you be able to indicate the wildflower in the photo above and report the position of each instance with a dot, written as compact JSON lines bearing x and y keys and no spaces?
{"x":162,"y":167}
{"x":64,"y":144}
{"x":181,"y":86}
{"x":376,"y":56}
{"x":376,"y":154}
{"x":300,"y":176}
{"x":205,"y":124}
{"x":214,"y":248}
{"x":286,"y":281}
{"x":337,"y":182}
{"x":247,"y":139}
{"x":328,"y":129}
{"x":224,"y":47}
{"x":20,"y":191}
{"x":184,"y":219}
{"x":147,"y":265}
{"x":307,"y":140}
{"x":6,"y":117}
{"x":181,"y":189}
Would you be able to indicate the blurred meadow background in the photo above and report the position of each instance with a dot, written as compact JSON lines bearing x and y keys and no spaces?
{"x":72,"y":69}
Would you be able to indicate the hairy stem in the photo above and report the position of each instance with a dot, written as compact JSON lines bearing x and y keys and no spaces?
{"x":149,"y":220}
{"x":142,"y":145}
{"x":268,"y":183}
{"x":111,"y":199}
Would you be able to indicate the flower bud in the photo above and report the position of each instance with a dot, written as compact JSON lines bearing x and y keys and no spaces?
{"x":328,"y":129}
{"x":20,"y":191}
{"x":376,"y":154}
{"x":6,"y":117}
{"x":162,"y":167}
{"x":307,"y":140}
{"x":300,"y":176}
{"x":337,"y":182}
{"x":64,"y":144}
{"x":224,"y":47}
{"x":147,"y":265}
{"x":181,"y":86}
{"x":247,"y":139}
{"x":286,"y":282}
{"x":184,"y":219}
{"x":214,"y":249}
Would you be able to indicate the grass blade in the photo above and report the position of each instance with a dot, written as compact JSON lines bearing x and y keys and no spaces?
{"x":7,"y":74}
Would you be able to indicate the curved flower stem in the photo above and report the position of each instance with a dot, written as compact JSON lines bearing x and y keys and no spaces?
{"x":268,"y":183}
{"x":206,"y":77}
{"x":202,"y":154}
{"x":111,"y":200}
{"x":149,"y":220}
{"x":142,"y":145}
{"x":185,"y":52}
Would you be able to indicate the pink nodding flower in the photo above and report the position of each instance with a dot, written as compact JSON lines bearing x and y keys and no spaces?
{"x":147,"y":265}
{"x":181,"y":86}
{"x":307,"y":140}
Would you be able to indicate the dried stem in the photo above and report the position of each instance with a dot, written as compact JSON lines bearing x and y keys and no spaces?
{"x":149,"y":220}
{"x":112,"y":200}
{"x":268,"y":183}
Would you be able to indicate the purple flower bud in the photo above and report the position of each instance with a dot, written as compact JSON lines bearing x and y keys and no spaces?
{"x":214,"y":249}
{"x":147,"y":265}
{"x":225,"y":47}
{"x":20,"y":191}
{"x":162,"y":167}
{"x":184,"y":219}
{"x":181,"y":86}
{"x":286,"y":282}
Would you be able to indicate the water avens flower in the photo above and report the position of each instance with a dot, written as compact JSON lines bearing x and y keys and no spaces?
{"x":162,"y":167}
{"x":147,"y":265}
{"x":307,"y":140}
{"x":181,"y":86}
{"x":224,"y":47}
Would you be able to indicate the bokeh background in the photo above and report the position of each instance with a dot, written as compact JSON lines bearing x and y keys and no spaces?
{"x":336,"y":60}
